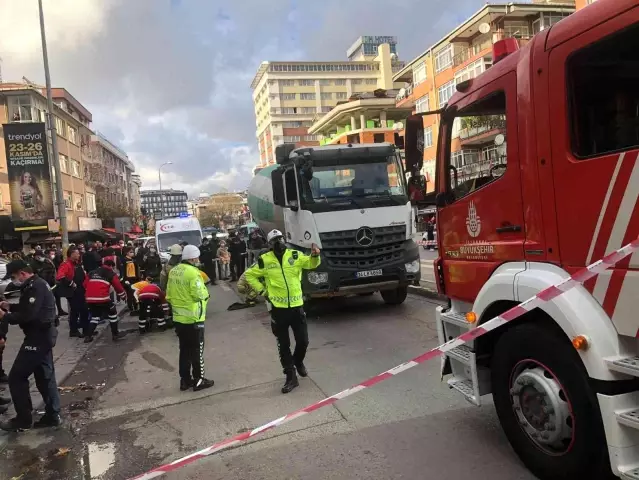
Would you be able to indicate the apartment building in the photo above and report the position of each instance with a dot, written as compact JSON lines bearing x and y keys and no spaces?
{"x":289,"y":96}
{"x":429,"y":80}
{"x":164,"y":203}
{"x":109,"y":172}
{"x":579,"y":4}
{"x":26,"y":102}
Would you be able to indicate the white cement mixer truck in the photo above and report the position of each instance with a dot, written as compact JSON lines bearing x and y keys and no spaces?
{"x":350,"y":200}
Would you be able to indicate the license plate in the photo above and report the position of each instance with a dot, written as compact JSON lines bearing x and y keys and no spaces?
{"x":369,"y":273}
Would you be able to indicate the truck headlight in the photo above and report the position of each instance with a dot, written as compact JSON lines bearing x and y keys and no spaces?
{"x":317,"y":277}
{"x":412,"y":267}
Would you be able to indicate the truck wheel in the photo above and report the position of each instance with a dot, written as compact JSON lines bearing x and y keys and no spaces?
{"x":395,"y":297}
{"x":546,"y":406}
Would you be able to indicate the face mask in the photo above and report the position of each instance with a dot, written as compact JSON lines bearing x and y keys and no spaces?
{"x":52,"y":256}
{"x":279,"y":246}
{"x":152,"y":250}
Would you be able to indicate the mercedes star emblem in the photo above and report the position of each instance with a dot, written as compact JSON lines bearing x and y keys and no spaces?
{"x":364,"y":237}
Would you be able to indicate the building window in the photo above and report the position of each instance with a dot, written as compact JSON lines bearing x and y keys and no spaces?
{"x":604,"y":120}
{"x":325,"y":82}
{"x":20,"y":109}
{"x":307,"y":96}
{"x":67,"y":200}
{"x":79,"y":201}
{"x":287,"y":83}
{"x":91,"y":202}
{"x":357,"y":81}
{"x":340,"y":82}
{"x":326,"y":96}
{"x":371,"y":81}
{"x":428,"y":137}
{"x":341,"y":95}
{"x":64,"y":163}
{"x":326,"y":109}
{"x":517,"y":30}
{"x":445,"y":92}
{"x":292,"y":138}
{"x":287,"y":96}
{"x":311,"y":138}
{"x":306,"y":83}
{"x":60,"y":126}
{"x":75,"y":168}
{"x":422,"y":105}
{"x":73,"y":135}
{"x":419,"y":73}
{"x":308,"y":110}
{"x":444,"y":58}
{"x":471,"y":71}
{"x":287,"y":111}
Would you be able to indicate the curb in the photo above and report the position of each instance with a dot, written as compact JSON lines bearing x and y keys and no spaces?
{"x":427,"y":293}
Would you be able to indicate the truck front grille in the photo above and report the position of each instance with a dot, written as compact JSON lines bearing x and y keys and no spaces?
{"x":341,"y":249}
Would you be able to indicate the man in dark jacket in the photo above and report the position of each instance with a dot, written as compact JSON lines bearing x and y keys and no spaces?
{"x":91,"y":260}
{"x":70,"y":282}
{"x":35,"y":314}
{"x":43,"y":267}
{"x":207,"y":254}
{"x":256,"y":243}
{"x":237,"y":249}
{"x":152,"y":264}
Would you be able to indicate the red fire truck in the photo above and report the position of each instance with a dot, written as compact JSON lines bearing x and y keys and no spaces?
{"x":537,"y":177}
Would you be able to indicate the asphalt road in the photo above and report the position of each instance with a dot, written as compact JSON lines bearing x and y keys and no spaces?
{"x":408,"y":427}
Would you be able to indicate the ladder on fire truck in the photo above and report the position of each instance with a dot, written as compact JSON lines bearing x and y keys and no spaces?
{"x":473,"y":381}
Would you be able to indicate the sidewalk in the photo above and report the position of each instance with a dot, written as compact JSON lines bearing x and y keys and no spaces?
{"x":66,"y":355}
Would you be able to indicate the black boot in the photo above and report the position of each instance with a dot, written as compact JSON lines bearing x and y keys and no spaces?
{"x":301,"y":369}
{"x":5,"y":400}
{"x":15,"y":425}
{"x":4,"y":378}
{"x":115,"y":332}
{"x":201,"y":384}
{"x":75,"y":333}
{"x":185,"y":384}
{"x":88,"y":338}
{"x":46,"y":420}
{"x":291,"y":381}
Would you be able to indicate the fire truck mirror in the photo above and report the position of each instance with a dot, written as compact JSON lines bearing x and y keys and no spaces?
{"x":414,"y":144}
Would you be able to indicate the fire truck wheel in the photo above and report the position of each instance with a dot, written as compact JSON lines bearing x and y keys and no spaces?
{"x":546,"y":406}
{"x":395,"y":297}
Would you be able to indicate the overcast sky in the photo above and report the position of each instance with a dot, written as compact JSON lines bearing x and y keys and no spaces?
{"x":169,"y":80}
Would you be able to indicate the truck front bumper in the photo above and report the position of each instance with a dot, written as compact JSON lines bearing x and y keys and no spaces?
{"x":342,"y":282}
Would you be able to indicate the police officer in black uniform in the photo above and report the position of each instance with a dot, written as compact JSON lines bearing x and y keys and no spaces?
{"x":36,"y":316}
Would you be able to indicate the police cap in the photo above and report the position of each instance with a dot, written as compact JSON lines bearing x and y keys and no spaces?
{"x":16,"y":266}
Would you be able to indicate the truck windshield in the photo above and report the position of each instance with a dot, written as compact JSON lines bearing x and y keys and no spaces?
{"x":192,"y":237}
{"x":369,"y":178}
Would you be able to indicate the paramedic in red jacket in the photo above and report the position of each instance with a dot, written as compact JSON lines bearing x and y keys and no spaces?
{"x":98,"y":284}
{"x":70,"y":284}
{"x":153,"y":306}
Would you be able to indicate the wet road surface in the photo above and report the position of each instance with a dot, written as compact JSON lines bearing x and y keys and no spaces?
{"x":411,"y":426}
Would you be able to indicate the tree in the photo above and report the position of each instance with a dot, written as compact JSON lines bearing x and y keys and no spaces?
{"x":108,"y":211}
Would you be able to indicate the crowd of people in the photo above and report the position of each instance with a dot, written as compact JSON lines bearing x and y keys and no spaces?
{"x":93,"y":275}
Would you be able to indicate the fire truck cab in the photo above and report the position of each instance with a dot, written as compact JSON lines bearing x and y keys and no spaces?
{"x":537,"y":177}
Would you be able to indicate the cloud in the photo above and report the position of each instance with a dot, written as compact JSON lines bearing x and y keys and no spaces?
{"x":169,"y":80}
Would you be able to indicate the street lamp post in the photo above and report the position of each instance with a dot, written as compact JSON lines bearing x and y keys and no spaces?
{"x":62,"y":211}
{"x":160,"y":179}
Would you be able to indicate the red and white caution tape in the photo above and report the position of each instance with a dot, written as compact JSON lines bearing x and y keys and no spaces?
{"x":542,"y":297}
{"x":427,"y":243}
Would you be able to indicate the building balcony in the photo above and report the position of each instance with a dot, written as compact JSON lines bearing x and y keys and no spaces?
{"x":475,"y":133}
{"x":468,"y":55}
{"x":405,"y":97}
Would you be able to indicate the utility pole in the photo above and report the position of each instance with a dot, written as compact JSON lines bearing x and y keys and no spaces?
{"x":62,"y":211}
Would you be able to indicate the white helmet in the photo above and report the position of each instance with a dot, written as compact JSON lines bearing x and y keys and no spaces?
{"x":273,"y":234}
{"x":175,"y":249}
{"x":190,"y":252}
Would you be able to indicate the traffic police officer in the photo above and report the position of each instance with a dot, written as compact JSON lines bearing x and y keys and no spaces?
{"x":188,"y":297}
{"x":36,"y":316}
{"x":281,"y":268}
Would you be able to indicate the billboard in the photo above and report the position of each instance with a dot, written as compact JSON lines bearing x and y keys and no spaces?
{"x":29,"y":175}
